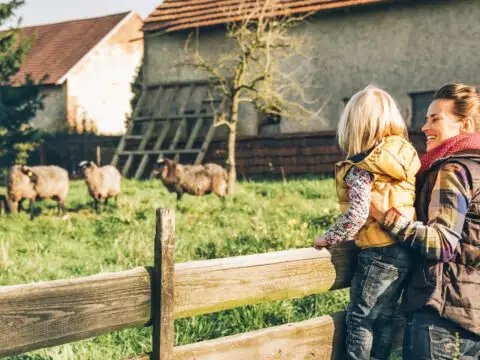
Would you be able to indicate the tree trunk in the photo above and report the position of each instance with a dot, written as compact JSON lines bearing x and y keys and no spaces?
{"x":232,"y":171}
{"x":232,"y":139}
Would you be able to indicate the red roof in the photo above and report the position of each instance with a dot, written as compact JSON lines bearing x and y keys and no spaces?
{"x":173,"y":15}
{"x":58,"y":47}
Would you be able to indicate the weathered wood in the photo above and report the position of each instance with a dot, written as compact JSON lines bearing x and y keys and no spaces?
{"x":322,"y":338}
{"x":163,"y":286}
{"x":136,"y":112}
{"x":178,"y":134}
{"x":194,"y":133}
{"x":312,"y":339}
{"x":39,"y":315}
{"x":121,"y":145}
{"x":51,"y":313}
{"x":178,"y":83}
{"x":141,"y":147}
{"x":207,"y":286}
{"x":156,"y":152}
{"x":206,"y":143}
{"x":173,"y":117}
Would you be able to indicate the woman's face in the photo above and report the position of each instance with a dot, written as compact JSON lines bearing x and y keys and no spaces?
{"x":441,"y":123}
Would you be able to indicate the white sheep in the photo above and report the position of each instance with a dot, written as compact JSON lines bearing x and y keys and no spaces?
{"x":36,"y":183}
{"x":102,"y":182}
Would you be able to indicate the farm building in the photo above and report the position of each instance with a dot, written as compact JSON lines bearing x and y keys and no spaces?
{"x":407,"y":47}
{"x":89,"y":65}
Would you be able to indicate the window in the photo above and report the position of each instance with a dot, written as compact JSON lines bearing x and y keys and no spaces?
{"x":420,"y":103}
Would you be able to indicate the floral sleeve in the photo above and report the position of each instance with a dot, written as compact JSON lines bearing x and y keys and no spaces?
{"x":359,"y":183}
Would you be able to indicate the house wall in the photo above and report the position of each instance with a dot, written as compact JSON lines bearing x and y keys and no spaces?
{"x":52,"y":117}
{"x":99,"y":88}
{"x":400,"y":47}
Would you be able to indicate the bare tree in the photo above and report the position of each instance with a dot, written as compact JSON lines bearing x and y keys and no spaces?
{"x":254,"y":71}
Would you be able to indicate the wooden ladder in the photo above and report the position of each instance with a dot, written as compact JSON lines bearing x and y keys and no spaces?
{"x":169,"y":120}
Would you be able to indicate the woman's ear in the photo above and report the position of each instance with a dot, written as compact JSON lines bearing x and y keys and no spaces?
{"x":468,"y":125}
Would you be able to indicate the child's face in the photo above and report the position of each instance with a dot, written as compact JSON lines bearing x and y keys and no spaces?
{"x":441,"y":123}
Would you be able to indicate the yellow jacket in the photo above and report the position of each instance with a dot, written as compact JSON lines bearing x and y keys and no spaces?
{"x":393,"y":164}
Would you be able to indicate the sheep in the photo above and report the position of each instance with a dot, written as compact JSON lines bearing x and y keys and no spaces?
{"x":102,"y":182}
{"x":3,"y":204}
{"x":196,"y":180}
{"x":36,"y":183}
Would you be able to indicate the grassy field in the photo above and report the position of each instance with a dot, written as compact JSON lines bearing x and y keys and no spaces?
{"x":261,"y":217}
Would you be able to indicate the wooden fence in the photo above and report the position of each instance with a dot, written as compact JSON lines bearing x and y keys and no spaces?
{"x":39,"y":315}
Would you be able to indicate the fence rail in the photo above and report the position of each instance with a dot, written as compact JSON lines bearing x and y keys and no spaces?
{"x":39,"y":315}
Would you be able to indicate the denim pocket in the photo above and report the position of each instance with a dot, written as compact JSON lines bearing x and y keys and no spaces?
{"x":443,"y":345}
{"x":380,"y":279}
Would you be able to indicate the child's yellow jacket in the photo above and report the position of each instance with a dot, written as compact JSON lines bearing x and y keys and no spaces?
{"x":393,"y":164}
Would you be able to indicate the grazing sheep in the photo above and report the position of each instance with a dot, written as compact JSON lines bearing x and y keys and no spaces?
{"x":36,"y":183}
{"x":3,"y":205}
{"x":196,"y":180}
{"x":102,"y":182}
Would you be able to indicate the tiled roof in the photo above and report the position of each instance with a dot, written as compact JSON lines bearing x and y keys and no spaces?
{"x":58,"y":47}
{"x":173,"y":15}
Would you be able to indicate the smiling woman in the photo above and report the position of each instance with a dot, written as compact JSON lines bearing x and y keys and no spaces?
{"x":441,"y":299}
{"x":454,"y":111}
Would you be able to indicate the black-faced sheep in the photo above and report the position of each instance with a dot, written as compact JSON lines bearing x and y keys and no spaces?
{"x":196,"y":180}
{"x":103,"y":182}
{"x":36,"y":183}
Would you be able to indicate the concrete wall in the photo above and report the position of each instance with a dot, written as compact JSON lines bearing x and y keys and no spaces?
{"x":401,"y":47}
{"x":99,"y":89}
{"x":53,"y":116}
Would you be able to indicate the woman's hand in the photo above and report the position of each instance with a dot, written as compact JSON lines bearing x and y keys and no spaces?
{"x":320,"y":242}
{"x":378,"y":206}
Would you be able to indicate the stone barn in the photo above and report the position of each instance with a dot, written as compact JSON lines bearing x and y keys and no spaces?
{"x":407,"y":47}
{"x":88,"y":66}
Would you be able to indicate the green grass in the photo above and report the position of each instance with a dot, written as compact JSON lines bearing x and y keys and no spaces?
{"x":260,"y":217}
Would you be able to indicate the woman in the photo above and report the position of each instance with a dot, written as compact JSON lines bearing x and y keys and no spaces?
{"x":442,"y":298}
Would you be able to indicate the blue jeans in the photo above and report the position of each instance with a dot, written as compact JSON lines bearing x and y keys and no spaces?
{"x":430,"y":337}
{"x":376,"y":287}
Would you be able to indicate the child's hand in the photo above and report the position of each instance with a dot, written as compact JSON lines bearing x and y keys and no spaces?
{"x":320,"y":242}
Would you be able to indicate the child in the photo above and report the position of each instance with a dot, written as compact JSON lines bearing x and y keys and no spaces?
{"x":379,"y":159}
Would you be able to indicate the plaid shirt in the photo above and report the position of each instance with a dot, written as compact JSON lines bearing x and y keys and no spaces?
{"x":449,"y":202}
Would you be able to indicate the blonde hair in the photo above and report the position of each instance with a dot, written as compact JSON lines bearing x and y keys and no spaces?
{"x":369,"y":116}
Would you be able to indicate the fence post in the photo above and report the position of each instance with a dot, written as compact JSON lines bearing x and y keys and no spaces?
{"x":163,"y":285}
{"x":99,"y":155}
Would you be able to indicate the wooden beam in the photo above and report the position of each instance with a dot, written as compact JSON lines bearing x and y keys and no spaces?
{"x":208,"y":286}
{"x":136,"y":112}
{"x":179,"y":83}
{"x":322,"y":338}
{"x":163,"y":286}
{"x":206,"y":143}
{"x":121,"y":145}
{"x":173,"y":117}
{"x":40,"y":315}
{"x":312,"y":339}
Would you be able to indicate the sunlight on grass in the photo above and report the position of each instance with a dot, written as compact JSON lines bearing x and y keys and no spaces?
{"x":260,"y":217}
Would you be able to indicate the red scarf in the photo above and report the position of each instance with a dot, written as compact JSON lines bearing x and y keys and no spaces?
{"x":465,"y":141}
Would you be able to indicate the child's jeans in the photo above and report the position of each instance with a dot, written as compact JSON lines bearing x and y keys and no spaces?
{"x":376,"y":286}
